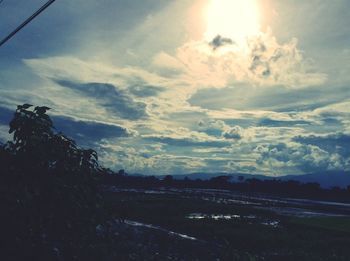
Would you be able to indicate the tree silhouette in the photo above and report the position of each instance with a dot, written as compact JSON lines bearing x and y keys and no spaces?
{"x":36,"y":143}
{"x":49,"y":192}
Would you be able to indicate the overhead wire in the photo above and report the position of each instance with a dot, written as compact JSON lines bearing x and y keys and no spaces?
{"x":27,"y":21}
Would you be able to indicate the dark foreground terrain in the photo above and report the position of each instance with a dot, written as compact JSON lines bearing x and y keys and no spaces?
{"x":205,"y":224}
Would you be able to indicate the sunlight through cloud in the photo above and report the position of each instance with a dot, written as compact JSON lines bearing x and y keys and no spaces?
{"x":236,"y":19}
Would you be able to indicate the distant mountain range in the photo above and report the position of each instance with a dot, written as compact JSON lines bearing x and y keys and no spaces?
{"x":326,"y":179}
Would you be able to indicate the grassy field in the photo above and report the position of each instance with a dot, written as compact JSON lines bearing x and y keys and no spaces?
{"x":249,"y":234}
{"x":341,"y":224}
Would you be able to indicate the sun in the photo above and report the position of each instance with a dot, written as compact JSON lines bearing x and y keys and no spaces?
{"x":235,"y":19}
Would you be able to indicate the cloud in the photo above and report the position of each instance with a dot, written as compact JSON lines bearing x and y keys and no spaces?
{"x":261,"y":61}
{"x":233,"y":166}
{"x":84,"y":132}
{"x":167,"y":65}
{"x":220,"y":129}
{"x":145,"y":90}
{"x":234,"y":133}
{"x":220,"y":41}
{"x":130,"y":93}
{"x":110,"y":97}
{"x":282,"y":123}
{"x":207,"y":105}
{"x":295,"y":158}
{"x":78,"y":70}
{"x":183,"y":137}
{"x":166,"y":119}
{"x":335,"y":143}
{"x":148,"y":159}
{"x":212,"y":127}
{"x":187,"y":142}
{"x":88,"y":132}
{"x":245,"y":97}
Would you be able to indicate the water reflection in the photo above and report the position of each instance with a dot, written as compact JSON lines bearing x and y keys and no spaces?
{"x":250,"y":218}
{"x":213,"y":216}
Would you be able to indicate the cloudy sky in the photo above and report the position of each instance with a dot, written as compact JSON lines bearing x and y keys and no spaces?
{"x":172,"y":87}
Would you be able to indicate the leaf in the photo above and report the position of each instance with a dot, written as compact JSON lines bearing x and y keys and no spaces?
{"x":13,"y":126}
{"x":41,"y":110}
{"x":24,"y":106}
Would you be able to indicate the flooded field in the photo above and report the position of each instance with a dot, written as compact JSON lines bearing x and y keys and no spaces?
{"x":245,"y":226}
{"x":282,"y":206}
{"x":250,"y":219}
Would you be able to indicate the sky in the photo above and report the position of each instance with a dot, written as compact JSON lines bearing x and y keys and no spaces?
{"x":173,"y":87}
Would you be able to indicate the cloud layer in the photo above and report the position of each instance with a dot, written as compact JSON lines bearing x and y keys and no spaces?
{"x":154,"y":96}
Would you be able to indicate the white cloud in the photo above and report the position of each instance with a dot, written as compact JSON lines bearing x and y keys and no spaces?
{"x":260,"y":61}
{"x":163,"y":143}
{"x":167,"y":64}
{"x":294,"y":157}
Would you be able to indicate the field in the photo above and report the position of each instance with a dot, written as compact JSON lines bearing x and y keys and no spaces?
{"x":231,"y":226}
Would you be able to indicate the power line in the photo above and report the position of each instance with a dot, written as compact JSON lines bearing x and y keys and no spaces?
{"x":41,"y":9}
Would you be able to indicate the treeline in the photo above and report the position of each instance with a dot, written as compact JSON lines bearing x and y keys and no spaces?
{"x":276,"y":187}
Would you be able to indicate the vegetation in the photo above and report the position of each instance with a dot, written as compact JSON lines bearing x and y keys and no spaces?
{"x":48,"y":191}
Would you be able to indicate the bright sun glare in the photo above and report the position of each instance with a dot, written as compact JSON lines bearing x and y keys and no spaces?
{"x":235,"y":19}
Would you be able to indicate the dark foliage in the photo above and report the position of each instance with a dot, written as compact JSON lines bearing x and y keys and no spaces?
{"x":49,"y":198}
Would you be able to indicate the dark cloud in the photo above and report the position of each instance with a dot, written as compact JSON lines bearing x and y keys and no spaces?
{"x":218,"y":128}
{"x":212,"y":132}
{"x":211,"y":127}
{"x":145,"y":90}
{"x":87,"y":132}
{"x":243,"y":122}
{"x":335,"y":143}
{"x":259,"y":67}
{"x":330,"y":121}
{"x":278,"y":123}
{"x":279,"y":152}
{"x":332,"y":118}
{"x":110,"y":97}
{"x":84,"y":132}
{"x":234,"y":133}
{"x":266,"y":59}
{"x":259,"y":64}
{"x":220,"y":41}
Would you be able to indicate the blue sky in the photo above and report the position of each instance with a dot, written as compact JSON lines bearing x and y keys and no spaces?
{"x":146,"y":85}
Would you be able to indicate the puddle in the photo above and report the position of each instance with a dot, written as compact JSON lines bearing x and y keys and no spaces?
{"x":115,"y":189}
{"x":272,"y":223}
{"x":213,"y":216}
{"x":139,"y":224}
{"x":252,"y":218}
